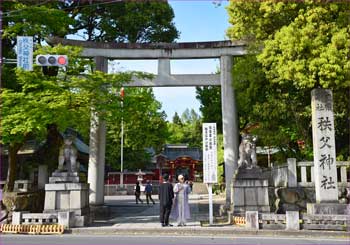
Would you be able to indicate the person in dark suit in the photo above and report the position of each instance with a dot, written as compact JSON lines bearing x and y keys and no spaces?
{"x":138,"y":193}
{"x":166,"y":196}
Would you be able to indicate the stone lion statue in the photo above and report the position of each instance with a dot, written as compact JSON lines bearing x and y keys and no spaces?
{"x":68,"y":156}
{"x":247,"y":152}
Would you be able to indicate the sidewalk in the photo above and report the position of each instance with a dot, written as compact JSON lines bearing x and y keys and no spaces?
{"x":128,"y":218}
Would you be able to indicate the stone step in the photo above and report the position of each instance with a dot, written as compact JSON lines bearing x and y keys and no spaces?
{"x":72,"y":179}
{"x":65,"y":174}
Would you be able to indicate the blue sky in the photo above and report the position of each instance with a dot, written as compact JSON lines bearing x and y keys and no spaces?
{"x":197,"y":21}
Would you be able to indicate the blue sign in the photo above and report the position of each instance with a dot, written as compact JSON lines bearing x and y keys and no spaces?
{"x":25,"y":52}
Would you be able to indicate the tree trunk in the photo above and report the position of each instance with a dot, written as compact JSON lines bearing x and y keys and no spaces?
{"x":12,"y":166}
{"x":48,"y":153}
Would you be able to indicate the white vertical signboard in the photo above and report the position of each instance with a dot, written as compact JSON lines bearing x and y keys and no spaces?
{"x":25,"y":52}
{"x":210,"y":162}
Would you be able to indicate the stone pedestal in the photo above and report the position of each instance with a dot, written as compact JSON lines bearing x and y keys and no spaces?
{"x":252,"y":220}
{"x":64,"y":193}
{"x":64,"y":177}
{"x":250,"y":191}
{"x":292,"y":220}
{"x":328,"y":208}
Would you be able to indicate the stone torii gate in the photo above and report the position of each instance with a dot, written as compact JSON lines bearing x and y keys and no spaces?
{"x":164,"y":52}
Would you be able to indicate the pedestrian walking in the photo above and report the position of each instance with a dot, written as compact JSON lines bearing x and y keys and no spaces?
{"x":148,"y":192}
{"x":138,"y":193}
{"x":166,"y":196}
{"x":181,"y":209}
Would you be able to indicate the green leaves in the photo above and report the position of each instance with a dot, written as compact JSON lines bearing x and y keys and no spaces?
{"x":125,"y":21}
{"x":305,"y":45}
{"x":312,"y":51}
{"x":24,"y":19}
{"x":210,"y":99}
{"x":42,"y":100}
{"x":185,"y":130}
{"x":34,"y":100}
{"x":144,"y":127}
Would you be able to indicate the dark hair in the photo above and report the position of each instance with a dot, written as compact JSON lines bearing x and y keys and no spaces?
{"x":166,"y":176}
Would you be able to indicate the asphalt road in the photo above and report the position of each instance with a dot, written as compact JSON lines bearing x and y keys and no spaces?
{"x":93,"y":239}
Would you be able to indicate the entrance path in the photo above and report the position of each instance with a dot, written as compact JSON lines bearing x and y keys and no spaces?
{"x":127,"y":218}
{"x":125,"y":213}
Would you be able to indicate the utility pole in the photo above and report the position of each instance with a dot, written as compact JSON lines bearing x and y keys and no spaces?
{"x":122,"y":141}
{"x":121,"y":153}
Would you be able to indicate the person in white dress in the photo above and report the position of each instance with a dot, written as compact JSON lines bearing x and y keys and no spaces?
{"x":181,"y":210}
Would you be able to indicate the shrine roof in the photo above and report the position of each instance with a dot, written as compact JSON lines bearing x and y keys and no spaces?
{"x":173,"y":153}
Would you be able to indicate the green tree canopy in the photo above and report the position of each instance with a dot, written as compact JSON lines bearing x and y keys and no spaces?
{"x":210,"y":99}
{"x":177,"y":119}
{"x":149,"y":21}
{"x":123,"y":21}
{"x":64,"y":100}
{"x":144,"y":127}
{"x":186,"y":130}
{"x":295,"y":47}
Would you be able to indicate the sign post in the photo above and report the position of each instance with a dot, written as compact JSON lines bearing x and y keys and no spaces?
{"x":210,"y":162}
{"x":25,"y":52}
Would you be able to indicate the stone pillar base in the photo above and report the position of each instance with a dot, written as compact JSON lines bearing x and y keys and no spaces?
{"x":252,"y":220}
{"x":242,"y":209}
{"x":292,"y":220}
{"x":328,"y":208}
{"x":250,"y":191}
{"x":65,"y":196}
{"x":99,"y":211}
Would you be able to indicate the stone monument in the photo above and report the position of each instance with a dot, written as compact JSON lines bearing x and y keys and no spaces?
{"x":325,"y":170}
{"x":249,"y":186}
{"x":65,"y":192}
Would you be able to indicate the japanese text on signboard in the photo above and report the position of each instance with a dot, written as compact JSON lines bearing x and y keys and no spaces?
{"x":25,"y":52}
{"x":209,"y":153}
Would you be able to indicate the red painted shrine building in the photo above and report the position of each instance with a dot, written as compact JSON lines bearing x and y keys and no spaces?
{"x":180,"y":159}
{"x":173,"y":160}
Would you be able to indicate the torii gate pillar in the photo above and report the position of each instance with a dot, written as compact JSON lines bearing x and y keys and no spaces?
{"x":97,"y":148}
{"x":229,"y":123}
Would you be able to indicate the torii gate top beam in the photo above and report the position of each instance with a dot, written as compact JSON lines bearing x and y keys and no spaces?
{"x":129,"y":51}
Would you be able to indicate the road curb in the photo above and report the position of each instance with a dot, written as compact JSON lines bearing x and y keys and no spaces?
{"x":206,"y":231}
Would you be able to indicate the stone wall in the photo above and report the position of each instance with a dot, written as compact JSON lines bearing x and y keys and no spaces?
{"x":24,"y":201}
{"x":292,"y":221}
{"x":114,"y":190}
{"x":286,"y":194}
